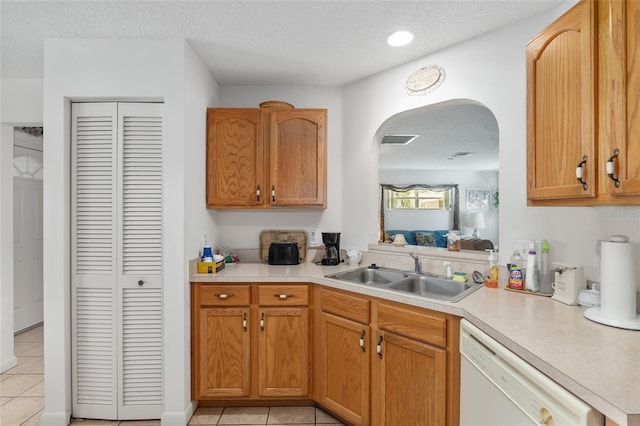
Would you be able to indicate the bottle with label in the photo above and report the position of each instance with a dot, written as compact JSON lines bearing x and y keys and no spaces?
{"x":531,"y":280}
{"x":491,"y":276}
{"x":516,"y":271}
{"x":546,"y":278}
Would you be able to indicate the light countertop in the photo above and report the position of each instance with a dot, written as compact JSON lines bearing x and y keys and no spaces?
{"x":597,"y":363}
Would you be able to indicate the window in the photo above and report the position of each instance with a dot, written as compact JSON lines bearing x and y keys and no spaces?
{"x":418,"y":199}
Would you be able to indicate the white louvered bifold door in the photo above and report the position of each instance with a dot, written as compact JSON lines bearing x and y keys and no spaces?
{"x":93,"y":260}
{"x":140,"y":260}
{"x":117,"y":260}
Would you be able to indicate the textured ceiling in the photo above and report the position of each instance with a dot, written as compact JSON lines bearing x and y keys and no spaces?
{"x":261,"y":42}
{"x":443,"y":129}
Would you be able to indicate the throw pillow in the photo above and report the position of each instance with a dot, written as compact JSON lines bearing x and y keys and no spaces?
{"x":425,"y":239}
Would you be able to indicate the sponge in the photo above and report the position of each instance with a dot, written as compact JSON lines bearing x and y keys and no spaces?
{"x":460,"y":277}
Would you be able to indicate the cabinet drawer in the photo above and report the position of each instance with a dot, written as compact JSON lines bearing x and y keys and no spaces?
{"x":424,"y":326}
{"x":280,"y":294}
{"x":345,"y":306}
{"x":224,"y":295}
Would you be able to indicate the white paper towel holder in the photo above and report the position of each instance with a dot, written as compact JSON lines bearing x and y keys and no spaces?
{"x":618,"y":287}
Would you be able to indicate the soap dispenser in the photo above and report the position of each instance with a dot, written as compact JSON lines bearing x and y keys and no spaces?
{"x":449,"y":273}
{"x":491,"y":276}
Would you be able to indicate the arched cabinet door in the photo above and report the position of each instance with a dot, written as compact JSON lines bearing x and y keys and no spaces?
{"x":561,"y":107}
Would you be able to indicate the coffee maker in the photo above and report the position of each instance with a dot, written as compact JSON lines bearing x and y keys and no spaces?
{"x":331,"y":242}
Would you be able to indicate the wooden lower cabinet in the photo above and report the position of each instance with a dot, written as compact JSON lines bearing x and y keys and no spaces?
{"x":385,"y":363}
{"x":223,"y":361}
{"x":373,"y":362}
{"x":283,"y":356}
{"x":409,"y":382}
{"x":246,"y":345}
{"x":344,"y":374}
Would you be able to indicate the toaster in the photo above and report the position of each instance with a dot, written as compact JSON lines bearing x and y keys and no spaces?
{"x":284,"y":253}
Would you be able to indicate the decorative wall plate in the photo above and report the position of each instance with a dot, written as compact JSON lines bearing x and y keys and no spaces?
{"x":424,"y":80}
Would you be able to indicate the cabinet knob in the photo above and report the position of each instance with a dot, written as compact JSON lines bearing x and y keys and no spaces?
{"x":362,"y":342}
{"x":262,"y":322}
{"x":244,"y":321}
{"x":140,"y":282}
{"x":611,"y":168}
{"x":282,"y":296}
{"x":273,"y":193}
{"x":580,"y":174}
{"x":223,"y":296}
{"x":258,"y":193}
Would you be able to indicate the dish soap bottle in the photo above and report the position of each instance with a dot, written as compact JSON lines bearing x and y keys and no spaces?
{"x":516,"y":271}
{"x":531,"y":282}
{"x":491,"y":277}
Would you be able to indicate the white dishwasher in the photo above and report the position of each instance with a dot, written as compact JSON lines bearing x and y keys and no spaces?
{"x":497,"y":388}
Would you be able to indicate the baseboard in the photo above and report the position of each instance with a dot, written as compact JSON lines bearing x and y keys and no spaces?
{"x":176,"y":418}
{"x":55,"y":419}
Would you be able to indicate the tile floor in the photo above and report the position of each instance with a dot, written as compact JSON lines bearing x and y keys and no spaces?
{"x":22,"y":398}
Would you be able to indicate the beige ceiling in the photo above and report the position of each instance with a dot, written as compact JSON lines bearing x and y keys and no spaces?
{"x":261,"y":42}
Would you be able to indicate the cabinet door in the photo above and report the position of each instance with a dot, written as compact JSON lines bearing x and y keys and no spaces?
{"x":235,"y":157}
{"x":620,"y":94}
{"x":223,"y":355}
{"x":283,"y":352}
{"x":298,"y":157}
{"x":561,"y":112}
{"x":344,"y":375}
{"x":409,"y":382}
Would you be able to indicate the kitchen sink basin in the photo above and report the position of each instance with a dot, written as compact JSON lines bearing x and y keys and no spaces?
{"x":419,"y":284}
{"x":436,"y":288}
{"x":370,"y":276}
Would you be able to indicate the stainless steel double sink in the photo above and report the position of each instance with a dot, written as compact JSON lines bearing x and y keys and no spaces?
{"x":419,"y":284}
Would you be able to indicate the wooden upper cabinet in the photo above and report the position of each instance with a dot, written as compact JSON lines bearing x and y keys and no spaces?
{"x":583,"y":82}
{"x":235,"y":157}
{"x":620,"y":101}
{"x":561,"y":106}
{"x":259,"y":158}
{"x":298,"y":153}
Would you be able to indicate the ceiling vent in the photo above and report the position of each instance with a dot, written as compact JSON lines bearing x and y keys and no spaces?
{"x":397,"y":139}
{"x":459,"y":154}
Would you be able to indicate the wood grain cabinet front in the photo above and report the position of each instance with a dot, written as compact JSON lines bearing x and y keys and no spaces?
{"x":250,"y":341}
{"x":344,"y":353}
{"x":382,"y":363}
{"x":220,"y":341}
{"x":263,"y":158}
{"x":583,"y":87}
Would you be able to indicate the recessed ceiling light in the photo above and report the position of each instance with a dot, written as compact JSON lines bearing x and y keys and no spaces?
{"x":400,"y":38}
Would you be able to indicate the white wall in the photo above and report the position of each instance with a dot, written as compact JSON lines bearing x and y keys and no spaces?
{"x":491,"y":70}
{"x":83,"y":69}
{"x":241,"y":228}
{"x":20,"y":105}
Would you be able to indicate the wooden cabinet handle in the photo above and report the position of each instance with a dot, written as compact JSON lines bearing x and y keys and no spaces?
{"x":282,"y":296}
{"x":223,"y":296}
{"x":379,"y":347}
{"x":258,"y":193}
{"x":262,"y":322}
{"x":273,"y":193}
{"x":611,"y":168}
{"x":244,"y":321}
{"x":362,"y":342}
